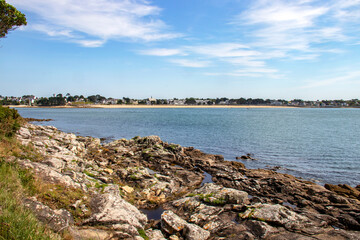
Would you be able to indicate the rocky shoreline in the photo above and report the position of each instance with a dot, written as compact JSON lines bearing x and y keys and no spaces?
{"x":187,"y":194}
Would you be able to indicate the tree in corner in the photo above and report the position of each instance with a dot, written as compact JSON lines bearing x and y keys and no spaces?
{"x":10,"y":18}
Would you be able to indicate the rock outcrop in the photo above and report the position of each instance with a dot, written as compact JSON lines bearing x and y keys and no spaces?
{"x":99,"y":189}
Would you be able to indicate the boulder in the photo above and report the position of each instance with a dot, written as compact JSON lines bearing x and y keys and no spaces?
{"x":49,"y":173}
{"x":218,"y":195}
{"x":57,"y":220}
{"x":154,"y":234}
{"x":110,"y":209}
{"x":276,"y":214}
{"x":260,"y":229}
{"x":172,"y":223}
{"x":192,"y":231}
{"x":55,"y":163}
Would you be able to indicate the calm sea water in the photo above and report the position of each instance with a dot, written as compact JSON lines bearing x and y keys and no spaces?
{"x":317,"y":144}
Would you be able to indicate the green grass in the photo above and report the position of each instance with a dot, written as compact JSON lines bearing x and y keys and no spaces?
{"x":90,"y":174}
{"x":17,"y":222}
{"x":142,"y":234}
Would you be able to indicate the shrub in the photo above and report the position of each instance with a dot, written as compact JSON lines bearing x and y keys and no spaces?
{"x":10,"y":121}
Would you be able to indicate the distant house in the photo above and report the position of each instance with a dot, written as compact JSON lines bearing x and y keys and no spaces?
{"x":276,"y":103}
{"x":110,"y":101}
{"x":201,"y":102}
{"x":151,"y":101}
{"x":178,"y":102}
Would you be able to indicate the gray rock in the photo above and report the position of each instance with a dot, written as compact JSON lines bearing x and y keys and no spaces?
{"x":192,"y":231}
{"x":260,"y":229}
{"x":49,"y":173}
{"x":276,"y":214}
{"x":110,"y":209}
{"x":172,"y":223}
{"x":24,"y":133}
{"x":155,"y":234}
{"x":219,"y":195}
{"x":90,"y":233}
{"x":57,"y":220}
{"x":55,"y":163}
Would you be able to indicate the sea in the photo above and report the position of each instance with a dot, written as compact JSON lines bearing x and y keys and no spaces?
{"x":317,"y":144}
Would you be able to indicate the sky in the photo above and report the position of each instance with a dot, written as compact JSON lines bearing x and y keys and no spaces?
{"x":273,"y":49}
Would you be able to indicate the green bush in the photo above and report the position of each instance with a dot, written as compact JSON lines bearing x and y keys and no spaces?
{"x":10,"y":121}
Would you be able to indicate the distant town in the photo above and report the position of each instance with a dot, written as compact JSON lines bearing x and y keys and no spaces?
{"x":79,"y":100}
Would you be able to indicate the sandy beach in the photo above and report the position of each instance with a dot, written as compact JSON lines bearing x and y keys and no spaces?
{"x":151,"y":106}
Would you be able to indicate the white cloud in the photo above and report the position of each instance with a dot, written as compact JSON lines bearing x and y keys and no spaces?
{"x":295,"y":26}
{"x":190,"y":63}
{"x":223,"y":50}
{"x":257,"y":70}
{"x":249,"y":72}
{"x":162,"y":52}
{"x":90,"y":43}
{"x":245,"y":62}
{"x":82,"y":20}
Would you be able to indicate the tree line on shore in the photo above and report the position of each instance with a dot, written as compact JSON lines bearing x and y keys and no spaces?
{"x":68,"y":99}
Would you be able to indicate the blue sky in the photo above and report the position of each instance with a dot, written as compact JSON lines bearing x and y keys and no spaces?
{"x":214,"y":48}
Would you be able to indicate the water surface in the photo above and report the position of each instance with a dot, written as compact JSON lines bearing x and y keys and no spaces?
{"x":316,"y":144}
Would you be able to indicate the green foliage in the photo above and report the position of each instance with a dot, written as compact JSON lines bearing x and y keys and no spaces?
{"x":96,"y":98}
{"x":10,"y":121}
{"x":59,"y":100}
{"x":190,"y":101}
{"x":10,"y":18}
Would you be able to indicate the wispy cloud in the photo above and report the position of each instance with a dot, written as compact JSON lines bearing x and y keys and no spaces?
{"x":97,"y":20}
{"x":249,"y":72}
{"x":296,"y":26}
{"x":223,"y":50}
{"x":190,"y":63}
{"x":162,"y":52}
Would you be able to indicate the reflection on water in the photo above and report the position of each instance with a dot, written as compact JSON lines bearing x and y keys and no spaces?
{"x":207,"y":179}
{"x":154,"y":214}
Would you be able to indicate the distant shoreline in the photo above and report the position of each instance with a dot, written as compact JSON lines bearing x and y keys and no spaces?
{"x":165,"y":106}
{"x":152,"y":106}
